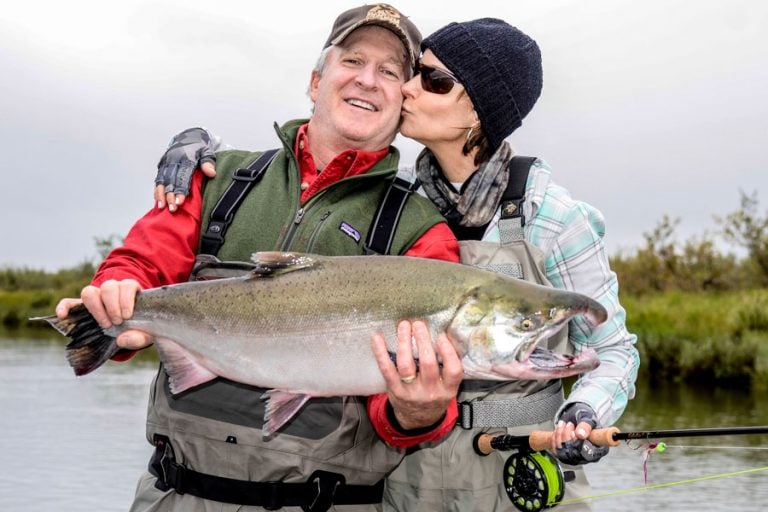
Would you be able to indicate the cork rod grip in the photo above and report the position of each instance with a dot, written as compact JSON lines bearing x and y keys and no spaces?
{"x":540,"y":440}
{"x":600,"y":437}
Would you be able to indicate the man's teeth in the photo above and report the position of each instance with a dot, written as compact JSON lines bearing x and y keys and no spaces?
{"x":362,"y":104}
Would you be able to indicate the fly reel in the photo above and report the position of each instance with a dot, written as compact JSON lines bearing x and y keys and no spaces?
{"x":533,"y":480}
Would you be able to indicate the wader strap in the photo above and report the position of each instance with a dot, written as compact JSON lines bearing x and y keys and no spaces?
{"x":513,"y":412}
{"x":512,"y":219}
{"x":224,"y":211}
{"x":318,"y":494}
{"x":385,"y":221}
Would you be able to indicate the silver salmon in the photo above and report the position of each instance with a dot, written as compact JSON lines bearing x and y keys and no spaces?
{"x":301,"y":325}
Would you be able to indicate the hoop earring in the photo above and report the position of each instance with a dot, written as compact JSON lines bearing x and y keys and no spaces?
{"x":470,"y":133}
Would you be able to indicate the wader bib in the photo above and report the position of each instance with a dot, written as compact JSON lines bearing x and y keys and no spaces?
{"x":210,"y":452}
{"x":448,"y":475}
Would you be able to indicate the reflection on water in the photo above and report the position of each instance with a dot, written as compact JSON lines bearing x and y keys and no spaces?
{"x":77,"y":444}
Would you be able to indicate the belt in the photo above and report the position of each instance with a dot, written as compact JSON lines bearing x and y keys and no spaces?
{"x":515,"y":411}
{"x":318,"y":494}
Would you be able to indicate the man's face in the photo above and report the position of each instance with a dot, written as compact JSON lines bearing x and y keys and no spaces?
{"x":358,"y":98}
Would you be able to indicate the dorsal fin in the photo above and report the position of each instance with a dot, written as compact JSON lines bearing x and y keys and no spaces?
{"x":274,"y":263}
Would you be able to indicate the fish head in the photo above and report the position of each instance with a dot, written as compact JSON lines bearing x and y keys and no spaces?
{"x":498,"y":335}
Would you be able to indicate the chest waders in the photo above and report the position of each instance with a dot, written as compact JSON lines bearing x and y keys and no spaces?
{"x":448,"y":475}
{"x":208,"y":442}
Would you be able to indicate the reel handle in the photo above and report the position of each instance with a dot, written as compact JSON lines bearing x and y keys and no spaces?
{"x":486,"y":444}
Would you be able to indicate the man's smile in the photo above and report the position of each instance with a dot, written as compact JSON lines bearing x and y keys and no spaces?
{"x":362,"y":104}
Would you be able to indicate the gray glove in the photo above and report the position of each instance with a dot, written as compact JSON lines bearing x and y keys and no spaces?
{"x":187,"y":151}
{"x":580,"y":451}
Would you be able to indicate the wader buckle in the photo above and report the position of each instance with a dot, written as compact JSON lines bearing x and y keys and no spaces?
{"x":321,"y":490}
{"x":162,"y":465}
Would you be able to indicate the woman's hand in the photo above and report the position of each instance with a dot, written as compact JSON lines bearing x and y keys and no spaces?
{"x":190,"y":149}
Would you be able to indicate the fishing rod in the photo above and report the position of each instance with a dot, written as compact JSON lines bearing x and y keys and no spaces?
{"x":485,"y":444}
{"x":532,"y":476}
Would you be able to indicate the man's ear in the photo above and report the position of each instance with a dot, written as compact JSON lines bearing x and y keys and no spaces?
{"x":313,"y":84}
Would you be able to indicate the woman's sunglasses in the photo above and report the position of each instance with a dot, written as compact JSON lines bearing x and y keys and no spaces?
{"x":435,"y":80}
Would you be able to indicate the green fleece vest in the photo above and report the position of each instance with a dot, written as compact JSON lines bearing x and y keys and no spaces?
{"x":216,"y":428}
{"x":334,"y":222}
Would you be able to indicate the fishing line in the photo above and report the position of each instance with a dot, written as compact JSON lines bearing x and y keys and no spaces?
{"x":708,"y":448}
{"x":661,"y":486}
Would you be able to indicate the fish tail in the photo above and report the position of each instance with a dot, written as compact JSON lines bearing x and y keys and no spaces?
{"x":90,"y":346}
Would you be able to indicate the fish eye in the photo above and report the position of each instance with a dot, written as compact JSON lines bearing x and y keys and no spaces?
{"x":528,"y":324}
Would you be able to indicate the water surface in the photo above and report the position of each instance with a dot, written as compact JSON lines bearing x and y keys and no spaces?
{"x":78,"y":444}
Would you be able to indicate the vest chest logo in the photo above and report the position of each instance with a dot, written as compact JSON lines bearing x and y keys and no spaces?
{"x":351,"y":232}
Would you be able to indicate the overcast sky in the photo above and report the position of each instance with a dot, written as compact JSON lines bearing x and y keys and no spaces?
{"x":648,"y":108}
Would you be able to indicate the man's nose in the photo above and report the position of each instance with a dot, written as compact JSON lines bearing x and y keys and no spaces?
{"x":368,"y":77}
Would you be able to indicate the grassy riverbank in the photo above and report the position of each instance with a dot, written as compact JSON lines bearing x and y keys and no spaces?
{"x":26,"y":293}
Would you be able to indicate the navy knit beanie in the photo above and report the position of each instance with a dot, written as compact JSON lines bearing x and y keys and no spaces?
{"x":498,"y":65}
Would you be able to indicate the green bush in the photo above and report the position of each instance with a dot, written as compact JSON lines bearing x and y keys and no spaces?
{"x":701,"y":337}
{"x":26,"y":293}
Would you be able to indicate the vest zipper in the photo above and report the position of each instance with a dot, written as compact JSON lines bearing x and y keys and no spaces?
{"x":288,"y":240}
{"x":320,"y":223}
{"x":292,"y":230}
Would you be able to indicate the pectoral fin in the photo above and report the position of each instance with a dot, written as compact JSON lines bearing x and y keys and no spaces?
{"x":281,"y":407}
{"x":184,"y":371}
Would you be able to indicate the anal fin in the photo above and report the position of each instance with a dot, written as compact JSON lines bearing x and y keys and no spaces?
{"x":281,"y":407}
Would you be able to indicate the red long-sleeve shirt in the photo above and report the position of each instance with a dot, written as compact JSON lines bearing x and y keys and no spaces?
{"x":144,"y":256}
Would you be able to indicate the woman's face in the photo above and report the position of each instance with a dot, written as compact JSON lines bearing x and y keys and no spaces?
{"x":436,"y":120}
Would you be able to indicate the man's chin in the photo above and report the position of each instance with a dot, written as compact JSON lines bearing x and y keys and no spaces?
{"x":367,"y":139}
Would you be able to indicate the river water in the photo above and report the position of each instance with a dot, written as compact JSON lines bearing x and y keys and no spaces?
{"x":77,"y":444}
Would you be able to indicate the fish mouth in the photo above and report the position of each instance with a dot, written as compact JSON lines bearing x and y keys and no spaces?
{"x":546,"y":364}
{"x":592,"y":311}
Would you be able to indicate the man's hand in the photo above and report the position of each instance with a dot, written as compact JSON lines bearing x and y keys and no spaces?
{"x":569,"y":441}
{"x":190,"y":149}
{"x":110,"y":304}
{"x":419,"y":396}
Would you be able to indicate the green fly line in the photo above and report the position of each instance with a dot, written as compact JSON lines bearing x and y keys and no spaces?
{"x":660,"y":486}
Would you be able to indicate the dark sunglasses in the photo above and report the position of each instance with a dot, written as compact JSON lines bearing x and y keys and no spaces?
{"x":435,"y":80}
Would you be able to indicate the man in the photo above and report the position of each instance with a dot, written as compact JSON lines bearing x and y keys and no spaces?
{"x":511,"y":218}
{"x":319,"y":194}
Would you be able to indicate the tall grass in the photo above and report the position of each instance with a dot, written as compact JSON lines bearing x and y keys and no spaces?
{"x":718,"y":337}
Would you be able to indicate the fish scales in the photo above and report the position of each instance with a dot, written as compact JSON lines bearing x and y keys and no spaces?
{"x":302,"y":324}
{"x":311,"y":329}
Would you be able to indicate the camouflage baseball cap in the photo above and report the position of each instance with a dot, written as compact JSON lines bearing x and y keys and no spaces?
{"x":383,"y":15}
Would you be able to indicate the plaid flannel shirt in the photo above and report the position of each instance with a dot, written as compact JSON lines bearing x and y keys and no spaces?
{"x":570,"y":234}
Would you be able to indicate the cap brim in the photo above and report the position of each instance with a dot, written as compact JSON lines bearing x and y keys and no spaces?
{"x":383,"y":24}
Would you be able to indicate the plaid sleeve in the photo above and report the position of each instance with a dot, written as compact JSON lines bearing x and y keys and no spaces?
{"x":571,"y":235}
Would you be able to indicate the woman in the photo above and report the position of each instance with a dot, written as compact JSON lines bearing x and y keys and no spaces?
{"x":477,"y":80}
